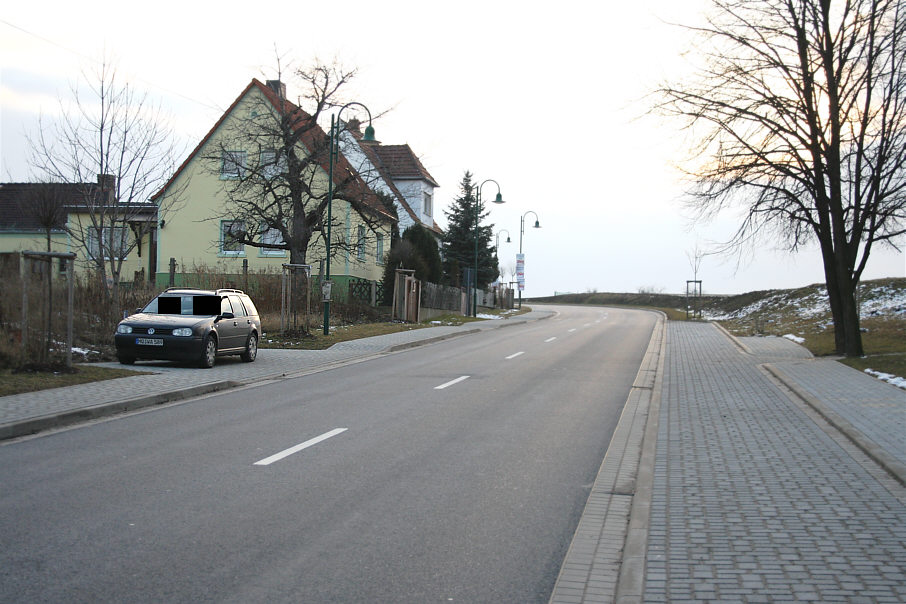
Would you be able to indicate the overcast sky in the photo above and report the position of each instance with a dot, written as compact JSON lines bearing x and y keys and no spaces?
{"x":547,"y":99}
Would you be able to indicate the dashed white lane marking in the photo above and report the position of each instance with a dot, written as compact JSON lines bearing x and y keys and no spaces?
{"x":513,"y":356}
{"x":550,"y":339}
{"x":287,"y":452}
{"x":451,"y":382}
{"x":572,"y":330}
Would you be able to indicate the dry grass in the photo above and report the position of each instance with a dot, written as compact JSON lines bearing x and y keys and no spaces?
{"x":883,"y":337}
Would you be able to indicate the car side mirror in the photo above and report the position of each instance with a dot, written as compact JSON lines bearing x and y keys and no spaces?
{"x":137,"y":310}
{"x":227,"y":315}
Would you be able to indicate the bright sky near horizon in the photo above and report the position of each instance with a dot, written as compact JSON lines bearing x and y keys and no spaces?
{"x":545,"y":99}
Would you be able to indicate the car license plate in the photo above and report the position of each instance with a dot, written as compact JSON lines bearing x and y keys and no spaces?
{"x":149,"y":341}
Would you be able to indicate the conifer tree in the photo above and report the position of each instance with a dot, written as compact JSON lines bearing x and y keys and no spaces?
{"x":459,"y":238}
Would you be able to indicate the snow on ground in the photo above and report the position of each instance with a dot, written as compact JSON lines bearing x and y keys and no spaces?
{"x":875,"y":301}
{"x":890,"y":379}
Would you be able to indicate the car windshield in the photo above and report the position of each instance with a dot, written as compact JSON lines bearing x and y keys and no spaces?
{"x":184,"y":305}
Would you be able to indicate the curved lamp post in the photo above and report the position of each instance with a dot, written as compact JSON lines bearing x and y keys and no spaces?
{"x":334,"y":141}
{"x":497,"y":242}
{"x":521,"y":231}
{"x":497,"y":199}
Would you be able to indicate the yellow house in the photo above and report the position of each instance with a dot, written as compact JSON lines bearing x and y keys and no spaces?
{"x":251,"y":185}
{"x":79,"y":218}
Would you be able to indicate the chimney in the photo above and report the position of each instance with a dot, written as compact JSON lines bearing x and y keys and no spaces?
{"x":107,"y":184}
{"x":278,"y":87}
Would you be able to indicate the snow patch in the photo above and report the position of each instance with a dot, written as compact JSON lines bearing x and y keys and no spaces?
{"x":794,"y":338}
{"x":889,"y":378}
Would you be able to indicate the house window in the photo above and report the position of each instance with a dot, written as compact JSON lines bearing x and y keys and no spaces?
{"x":232,"y":165}
{"x":231,"y":232}
{"x":270,"y":165}
{"x":379,"y":249}
{"x":361,"y":244}
{"x":272,"y":237}
{"x":429,"y":204}
{"x":107,"y":239}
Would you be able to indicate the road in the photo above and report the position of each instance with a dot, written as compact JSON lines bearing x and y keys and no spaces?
{"x":454,"y":472}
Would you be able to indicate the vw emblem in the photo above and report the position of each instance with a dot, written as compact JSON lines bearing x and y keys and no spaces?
{"x":150,"y":331}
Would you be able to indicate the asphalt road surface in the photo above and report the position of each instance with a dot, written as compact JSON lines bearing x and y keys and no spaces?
{"x":454,"y":472}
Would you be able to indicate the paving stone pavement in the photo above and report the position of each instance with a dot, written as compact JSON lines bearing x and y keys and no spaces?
{"x":742,"y":492}
{"x":753,"y":501}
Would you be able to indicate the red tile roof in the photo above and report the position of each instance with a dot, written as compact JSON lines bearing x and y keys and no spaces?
{"x":403,"y":164}
{"x":313,"y":138}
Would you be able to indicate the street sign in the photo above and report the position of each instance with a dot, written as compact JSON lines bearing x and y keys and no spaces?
{"x":520,"y":271}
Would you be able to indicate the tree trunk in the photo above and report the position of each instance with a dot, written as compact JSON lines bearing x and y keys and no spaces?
{"x":852,"y":334}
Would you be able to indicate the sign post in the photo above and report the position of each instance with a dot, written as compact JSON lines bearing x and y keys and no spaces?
{"x":520,"y":275}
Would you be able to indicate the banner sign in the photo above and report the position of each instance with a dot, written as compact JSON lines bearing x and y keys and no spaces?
{"x":520,"y":271}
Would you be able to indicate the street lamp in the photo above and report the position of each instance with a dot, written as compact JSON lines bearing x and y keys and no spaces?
{"x":334,"y":141}
{"x":497,"y":241}
{"x":521,"y":231}
{"x":498,"y":199}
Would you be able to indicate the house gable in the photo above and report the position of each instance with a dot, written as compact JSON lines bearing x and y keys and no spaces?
{"x":194,"y":236}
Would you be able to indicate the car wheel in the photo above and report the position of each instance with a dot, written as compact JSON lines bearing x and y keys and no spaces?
{"x":125,"y":360}
{"x":251,"y":349}
{"x":209,"y":352}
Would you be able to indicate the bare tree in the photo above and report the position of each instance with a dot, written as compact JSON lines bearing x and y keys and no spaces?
{"x":800,"y":115}
{"x":273,"y":158}
{"x":115,"y":145}
{"x":45,"y":203}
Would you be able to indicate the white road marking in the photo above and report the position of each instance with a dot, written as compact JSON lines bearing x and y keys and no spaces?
{"x":451,"y":382}
{"x":286,"y":453}
{"x":513,"y":356}
{"x":550,"y":339}
{"x":572,"y":330}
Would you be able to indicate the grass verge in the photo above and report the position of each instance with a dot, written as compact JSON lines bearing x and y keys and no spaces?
{"x":17,"y":383}
{"x":316,"y":340}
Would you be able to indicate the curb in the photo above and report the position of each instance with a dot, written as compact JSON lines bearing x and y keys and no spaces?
{"x":67,"y":418}
{"x":435,"y":339}
{"x":606,"y":558}
{"x":893,"y":466}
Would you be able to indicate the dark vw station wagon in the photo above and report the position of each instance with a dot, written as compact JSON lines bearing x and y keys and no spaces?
{"x":195,"y":325}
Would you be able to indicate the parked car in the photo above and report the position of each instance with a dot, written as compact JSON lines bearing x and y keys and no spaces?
{"x":186,"y":324}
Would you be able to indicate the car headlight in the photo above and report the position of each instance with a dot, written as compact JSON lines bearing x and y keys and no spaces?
{"x":123,"y":329}
{"x":182,"y":331}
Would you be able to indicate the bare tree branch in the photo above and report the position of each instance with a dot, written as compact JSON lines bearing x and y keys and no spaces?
{"x":799,"y":110}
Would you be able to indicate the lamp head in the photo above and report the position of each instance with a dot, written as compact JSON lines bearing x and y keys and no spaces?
{"x":499,"y":198}
{"x":508,"y":239}
{"x":537,"y":225}
{"x":369,"y":134}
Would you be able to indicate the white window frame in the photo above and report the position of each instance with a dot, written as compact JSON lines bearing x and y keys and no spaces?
{"x":379,"y":249}
{"x":269,"y":165}
{"x":98,"y":234}
{"x":266,"y":235}
{"x":428,"y":201}
{"x":226,"y":225}
{"x":360,"y":244}
{"x":232,"y":164}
